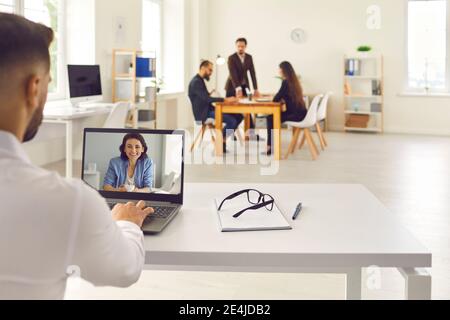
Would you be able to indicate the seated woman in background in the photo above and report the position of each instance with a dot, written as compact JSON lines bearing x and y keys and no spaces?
{"x":133,"y":170}
{"x":291,"y":93}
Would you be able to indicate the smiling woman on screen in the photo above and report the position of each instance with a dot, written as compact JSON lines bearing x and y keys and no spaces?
{"x":133,"y":170}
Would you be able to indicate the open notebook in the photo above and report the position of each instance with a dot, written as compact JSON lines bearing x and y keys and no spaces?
{"x":251,"y":220}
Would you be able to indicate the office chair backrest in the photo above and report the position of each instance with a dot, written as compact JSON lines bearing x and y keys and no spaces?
{"x":311,"y":117}
{"x":323,"y":107}
{"x":118,"y":116}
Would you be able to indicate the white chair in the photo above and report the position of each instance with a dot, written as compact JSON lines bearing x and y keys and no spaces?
{"x":118,"y":116}
{"x":304,"y":126}
{"x":322,"y":116}
{"x":209,"y":125}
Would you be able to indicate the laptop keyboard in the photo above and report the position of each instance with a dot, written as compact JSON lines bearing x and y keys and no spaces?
{"x":161,"y":212}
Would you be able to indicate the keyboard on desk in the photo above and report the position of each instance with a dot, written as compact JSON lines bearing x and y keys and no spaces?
{"x":161,"y":212}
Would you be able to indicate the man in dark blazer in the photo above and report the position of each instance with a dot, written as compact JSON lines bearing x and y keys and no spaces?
{"x":202,"y":102}
{"x":239,"y":64}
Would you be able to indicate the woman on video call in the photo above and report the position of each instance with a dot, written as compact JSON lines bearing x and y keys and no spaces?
{"x":133,"y":170}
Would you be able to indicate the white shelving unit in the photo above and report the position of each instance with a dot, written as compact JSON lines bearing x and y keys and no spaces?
{"x":364,"y":91}
{"x":128,"y":87}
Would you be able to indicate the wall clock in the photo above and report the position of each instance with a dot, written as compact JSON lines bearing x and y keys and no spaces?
{"x":298,"y":35}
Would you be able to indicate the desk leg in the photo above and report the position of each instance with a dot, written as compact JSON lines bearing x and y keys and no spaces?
{"x":277,"y":134}
{"x":219,"y":129}
{"x":354,"y":284}
{"x":418,"y":283}
{"x":247,"y":118}
{"x":69,"y":149}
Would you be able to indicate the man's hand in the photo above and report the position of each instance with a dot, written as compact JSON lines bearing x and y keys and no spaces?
{"x":239,"y":94}
{"x":132,"y":213}
{"x":231,"y":100}
{"x":257,"y":94}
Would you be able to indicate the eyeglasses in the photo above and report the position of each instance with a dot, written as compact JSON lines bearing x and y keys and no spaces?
{"x":255,"y":197}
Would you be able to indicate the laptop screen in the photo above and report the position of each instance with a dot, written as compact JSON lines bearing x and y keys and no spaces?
{"x":128,"y":164}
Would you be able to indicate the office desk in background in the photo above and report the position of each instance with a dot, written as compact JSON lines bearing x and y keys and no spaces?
{"x":66,"y":115}
{"x":249,"y":108}
{"x":342,"y":229}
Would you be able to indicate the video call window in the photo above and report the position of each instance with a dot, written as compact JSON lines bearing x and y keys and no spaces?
{"x":139,"y":163}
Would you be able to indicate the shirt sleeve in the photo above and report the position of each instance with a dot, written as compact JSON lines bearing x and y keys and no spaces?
{"x":234,"y":74}
{"x":203,"y":94}
{"x":281,"y":93}
{"x":148,"y":174}
{"x":107,"y":253}
{"x":253,"y":74}
{"x":110,"y":176}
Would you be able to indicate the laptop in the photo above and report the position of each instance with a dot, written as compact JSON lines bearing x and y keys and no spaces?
{"x":158,"y":177}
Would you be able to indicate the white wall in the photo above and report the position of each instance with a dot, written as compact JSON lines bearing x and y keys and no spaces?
{"x":334,"y":28}
{"x":80,"y":29}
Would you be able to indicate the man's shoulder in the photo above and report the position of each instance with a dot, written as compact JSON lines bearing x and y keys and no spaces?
{"x":196,"y":78}
{"x":41,"y":182}
{"x":233,"y":56}
{"x":195,"y":81}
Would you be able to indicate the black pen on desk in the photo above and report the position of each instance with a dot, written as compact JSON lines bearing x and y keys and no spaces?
{"x":298,"y":210}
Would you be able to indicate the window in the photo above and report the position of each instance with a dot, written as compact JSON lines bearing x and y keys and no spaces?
{"x":152,"y":29}
{"x":427,"y":46}
{"x":7,"y":6}
{"x":50,"y":13}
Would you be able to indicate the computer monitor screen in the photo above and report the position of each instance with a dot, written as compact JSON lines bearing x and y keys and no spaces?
{"x":84,"y":81}
{"x":133,"y":161}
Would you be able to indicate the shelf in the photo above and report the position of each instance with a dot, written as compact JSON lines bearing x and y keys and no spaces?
{"x":363,"y":97}
{"x":124,"y":75}
{"x":363,"y":58}
{"x":123,"y":53}
{"x":362,"y":78}
{"x":123,"y":78}
{"x":377,"y":130}
{"x":363,"y":112}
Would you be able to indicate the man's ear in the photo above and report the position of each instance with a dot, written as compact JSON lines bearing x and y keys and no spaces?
{"x":33,"y":92}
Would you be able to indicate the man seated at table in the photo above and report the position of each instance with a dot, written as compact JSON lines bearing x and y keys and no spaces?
{"x":202,"y":102}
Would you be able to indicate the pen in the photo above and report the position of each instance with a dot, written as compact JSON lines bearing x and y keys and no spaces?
{"x":298,"y":210}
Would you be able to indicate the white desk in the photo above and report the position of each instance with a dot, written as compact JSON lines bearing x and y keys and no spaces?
{"x":66,"y":115}
{"x":343,"y":228}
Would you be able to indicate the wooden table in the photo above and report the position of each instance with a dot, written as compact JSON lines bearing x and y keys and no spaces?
{"x":249,"y":108}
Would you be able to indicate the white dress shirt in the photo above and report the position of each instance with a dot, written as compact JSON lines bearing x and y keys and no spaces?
{"x":50,"y":226}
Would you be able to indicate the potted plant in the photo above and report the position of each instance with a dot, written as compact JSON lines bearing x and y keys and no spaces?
{"x":364,"y":50}
{"x":158,"y":83}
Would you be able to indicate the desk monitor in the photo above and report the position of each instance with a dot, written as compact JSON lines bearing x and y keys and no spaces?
{"x":85,"y":84}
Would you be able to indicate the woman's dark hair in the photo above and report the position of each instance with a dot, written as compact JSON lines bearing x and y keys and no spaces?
{"x":295,"y":88}
{"x":135,"y":136}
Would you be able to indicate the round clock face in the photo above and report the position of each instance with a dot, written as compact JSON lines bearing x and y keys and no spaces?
{"x":298,"y":35}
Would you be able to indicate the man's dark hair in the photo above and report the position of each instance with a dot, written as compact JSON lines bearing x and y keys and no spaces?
{"x":205,"y":63}
{"x":242,"y":40}
{"x":135,"y":136}
{"x":23,"y":42}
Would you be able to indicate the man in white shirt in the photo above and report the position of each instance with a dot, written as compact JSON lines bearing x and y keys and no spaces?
{"x":50,"y":226}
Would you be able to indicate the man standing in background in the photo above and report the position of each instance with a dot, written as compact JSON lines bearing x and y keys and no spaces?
{"x":238,"y":83}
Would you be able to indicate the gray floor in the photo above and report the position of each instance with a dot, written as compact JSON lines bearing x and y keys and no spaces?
{"x":409,"y":174}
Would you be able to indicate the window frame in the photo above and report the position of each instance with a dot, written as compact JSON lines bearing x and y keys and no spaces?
{"x":159,"y":54}
{"x":423,"y":91}
{"x":61,"y":93}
